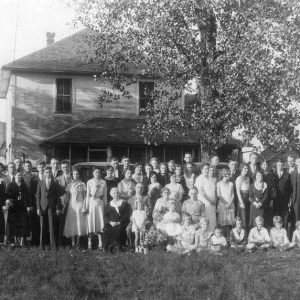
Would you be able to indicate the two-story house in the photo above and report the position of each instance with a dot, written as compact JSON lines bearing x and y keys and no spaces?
{"x":53,"y":110}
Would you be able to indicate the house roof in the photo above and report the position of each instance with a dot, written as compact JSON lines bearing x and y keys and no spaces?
{"x":112,"y":131}
{"x":71,"y":54}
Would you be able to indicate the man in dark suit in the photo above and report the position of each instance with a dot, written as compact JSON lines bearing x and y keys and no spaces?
{"x":48,"y":208}
{"x":284,"y":189}
{"x":33,"y":220}
{"x":11,"y":172}
{"x":10,"y":177}
{"x":295,"y":180}
{"x":63,"y":181}
{"x":234,"y":173}
{"x":254,"y":166}
{"x":117,"y":169}
{"x":125,"y":166}
{"x":55,"y":168}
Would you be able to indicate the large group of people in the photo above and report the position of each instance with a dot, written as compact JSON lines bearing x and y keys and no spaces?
{"x":195,"y":206}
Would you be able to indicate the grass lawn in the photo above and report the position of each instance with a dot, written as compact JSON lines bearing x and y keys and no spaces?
{"x":64,"y":274}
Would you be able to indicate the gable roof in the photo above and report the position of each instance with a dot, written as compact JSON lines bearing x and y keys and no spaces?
{"x":70,"y":54}
{"x":112,"y":131}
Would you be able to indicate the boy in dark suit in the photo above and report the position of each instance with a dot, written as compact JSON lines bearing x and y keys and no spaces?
{"x":63,"y":181}
{"x":48,"y":208}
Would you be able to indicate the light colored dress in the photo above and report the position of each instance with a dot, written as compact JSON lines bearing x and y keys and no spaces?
{"x":171,"y":224}
{"x":207,"y":190}
{"x":176,"y":190}
{"x":202,"y":238}
{"x":76,"y":221}
{"x":96,"y":199}
{"x":279,"y":237}
{"x":296,"y":237}
{"x":189,"y":181}
{"x":225,"y":192}
{"x":139,"y":218}
{"x":126,"y":189}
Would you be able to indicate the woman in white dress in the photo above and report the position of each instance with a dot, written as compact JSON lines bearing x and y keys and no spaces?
{"x":207,"y":194}
{"x":76,"y":220}
{"x":225,"y":192}
{"x":96,"y":199}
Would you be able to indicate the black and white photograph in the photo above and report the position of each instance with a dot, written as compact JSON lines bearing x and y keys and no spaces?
{"x":150,"y":149}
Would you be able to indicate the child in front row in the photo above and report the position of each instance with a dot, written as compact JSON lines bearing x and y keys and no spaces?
{"x":296,"y":235}
{"x":139,"y":218}
{"x":278,"y":235}
{"x":238,"y":238}
{"x":258,"y":237}
{"x":218,"y":241}
{"x":202,"y":236}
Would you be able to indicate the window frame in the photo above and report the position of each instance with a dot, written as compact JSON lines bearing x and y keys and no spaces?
{"x":56,"y":111}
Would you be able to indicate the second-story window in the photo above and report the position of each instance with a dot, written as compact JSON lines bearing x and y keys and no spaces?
{"x":64,"y":95}
{"x":145,"y":90}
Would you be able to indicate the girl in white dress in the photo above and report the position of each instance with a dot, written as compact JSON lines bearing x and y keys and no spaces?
{"x":176,"y":189}
{"x":207,"y":194}
{"x":225,"y":192}
{"x":139,"y":218}
{"x":96,"y":199}
{"x":76,"y":220}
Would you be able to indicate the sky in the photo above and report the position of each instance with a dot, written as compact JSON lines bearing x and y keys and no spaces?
{"x":35,"y":18}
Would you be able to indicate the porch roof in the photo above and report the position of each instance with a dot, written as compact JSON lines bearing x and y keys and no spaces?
{"x":113,"y":131}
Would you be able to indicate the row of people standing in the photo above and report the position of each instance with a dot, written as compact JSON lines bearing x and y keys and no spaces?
{"x":243,"y":195}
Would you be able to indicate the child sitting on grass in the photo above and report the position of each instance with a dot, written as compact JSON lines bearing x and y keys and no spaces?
{"x":218,"y":241}
{"x":278,"y":235}
{"x":185,"y":241}
{"x":238,"y":239}
{"x":296,"y":235}
{"x":258,"y":237}
{"x":202,"y":236}
{"x":139,"y":218}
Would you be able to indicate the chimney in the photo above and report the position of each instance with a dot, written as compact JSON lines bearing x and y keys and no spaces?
{"x":50,"y":38}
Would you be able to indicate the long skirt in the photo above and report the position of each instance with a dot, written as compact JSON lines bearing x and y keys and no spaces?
{"x":211,"y":216}
{"x":113,"y":236}
{"x":17,"y":224}
{"x":244,"y":213}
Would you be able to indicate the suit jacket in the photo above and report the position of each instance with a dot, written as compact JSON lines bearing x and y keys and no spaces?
{"x":31,"y":182}
{"x":58,"y":173}
{"x":284,"y":189}
{"x":63,"y":183}
{"x":295,"y":184}
{"x":48,"y":197}
{"x":7,"y":180}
